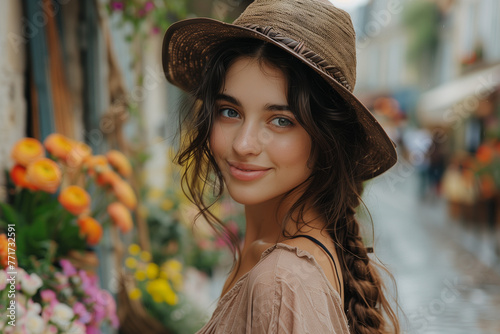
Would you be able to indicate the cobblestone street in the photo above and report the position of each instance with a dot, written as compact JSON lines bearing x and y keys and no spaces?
{"x":442,"y":287}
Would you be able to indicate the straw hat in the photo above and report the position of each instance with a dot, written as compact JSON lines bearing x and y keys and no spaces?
{"x":314,"y":31}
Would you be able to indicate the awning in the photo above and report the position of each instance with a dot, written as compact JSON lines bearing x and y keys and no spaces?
{"x":456,"y":100}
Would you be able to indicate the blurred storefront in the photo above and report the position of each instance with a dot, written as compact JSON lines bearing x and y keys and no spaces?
{"x":439,"y":63}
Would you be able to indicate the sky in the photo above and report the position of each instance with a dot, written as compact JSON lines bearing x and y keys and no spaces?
{"x":348,"y":4}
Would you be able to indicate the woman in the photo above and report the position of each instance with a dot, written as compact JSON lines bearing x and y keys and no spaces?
{"x":276,"y":124}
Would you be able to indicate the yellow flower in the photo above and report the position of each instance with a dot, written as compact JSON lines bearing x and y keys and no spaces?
{"x":154,"y":194}
{"x":167,"y":204}
{"x":135,"y":294}
{"x":177,"y":281}
{"x":152,"y":270}
{"x":140,"y":275}
{"x":161,"y":291}
{"x":173,"y":265}
{"x":171,"y":297}
{"x":134,"y":249}
{"x":131,"y":263}
{"x":145,"y":256}
{"x":172,"y":269}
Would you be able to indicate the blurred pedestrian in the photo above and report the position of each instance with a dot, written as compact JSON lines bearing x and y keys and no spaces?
{"x":276,"y":124}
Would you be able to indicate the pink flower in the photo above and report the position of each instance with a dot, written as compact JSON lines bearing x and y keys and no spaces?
{"x":83,"y":315}
{"x":93,"y":328}
{"x":77,"y":328}
{"x":30,"y":283}
{"x":86,"y":281}
{"x":67,"y":267}
{"x":49,"y":296}
{"x":62,"y":280}
{"x":155,"y":30}
{"x":149,"y":6}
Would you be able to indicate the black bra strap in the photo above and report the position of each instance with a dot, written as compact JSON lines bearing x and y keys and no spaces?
{"x":317,"y":242}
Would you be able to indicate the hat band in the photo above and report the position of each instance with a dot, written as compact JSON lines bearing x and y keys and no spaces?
{"x":299,"y":48}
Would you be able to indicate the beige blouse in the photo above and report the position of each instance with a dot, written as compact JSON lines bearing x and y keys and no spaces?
{"x":285,"y":292}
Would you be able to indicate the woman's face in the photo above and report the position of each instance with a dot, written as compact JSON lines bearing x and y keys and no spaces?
{"x":258,"y":145}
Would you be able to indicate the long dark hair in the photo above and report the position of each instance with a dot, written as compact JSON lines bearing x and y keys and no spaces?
{"x":335,"y":185}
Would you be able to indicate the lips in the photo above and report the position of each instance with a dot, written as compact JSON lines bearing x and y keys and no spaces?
{"x":247,"y":172}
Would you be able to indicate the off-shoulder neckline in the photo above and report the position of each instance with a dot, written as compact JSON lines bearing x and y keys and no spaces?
{"x":301,"y":253}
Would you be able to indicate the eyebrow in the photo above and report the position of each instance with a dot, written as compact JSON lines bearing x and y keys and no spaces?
{"x":268,"y":107}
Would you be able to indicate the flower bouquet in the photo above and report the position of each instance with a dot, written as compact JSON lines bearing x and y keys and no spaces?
{"x":60,"y":198}
{"x":51,"y":300}
{"x":49,"y":205}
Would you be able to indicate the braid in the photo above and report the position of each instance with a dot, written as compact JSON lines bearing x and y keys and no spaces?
{"x":364,"y":298}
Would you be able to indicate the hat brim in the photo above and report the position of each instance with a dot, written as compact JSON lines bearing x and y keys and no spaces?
{"x":188,"y":43}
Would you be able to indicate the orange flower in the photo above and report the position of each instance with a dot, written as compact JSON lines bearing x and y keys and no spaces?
{"x":4,"y":251}
{"x":91,"y":229}
{"x":119,"y":161}
{"x":44,"y":174}
{"x":96,"y":164}
{"x":26,"y":151}
{"x":497,"y":147}
{"x":487,"y":186}
{"x":79,"y":152}
{"x":107,"y":178}
{"x":123,"y":191}
{"x":120,"y":216}
{"x":75,"y":199}
{"x":18,"y":176}
{"x":485,"y":154}
{"x":59,"y":146}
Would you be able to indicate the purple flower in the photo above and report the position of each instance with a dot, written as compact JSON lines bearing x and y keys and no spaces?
{"x":117,"y":5}
{"x":67,"y":267}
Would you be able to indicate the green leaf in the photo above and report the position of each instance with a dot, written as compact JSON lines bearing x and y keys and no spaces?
{"x":68,"y":239}
{"x":8,"y":213}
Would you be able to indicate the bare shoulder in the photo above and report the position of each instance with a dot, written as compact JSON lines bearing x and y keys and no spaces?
{"x":328,"y":266}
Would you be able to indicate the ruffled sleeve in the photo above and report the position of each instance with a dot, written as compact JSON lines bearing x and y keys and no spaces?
{"x":290,"y":294}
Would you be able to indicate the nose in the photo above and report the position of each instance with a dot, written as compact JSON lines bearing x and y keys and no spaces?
{"x":247,"y":139}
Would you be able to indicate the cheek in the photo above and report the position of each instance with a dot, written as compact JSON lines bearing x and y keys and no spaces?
{"x":292,"y":153}
{"x":217,"y":141}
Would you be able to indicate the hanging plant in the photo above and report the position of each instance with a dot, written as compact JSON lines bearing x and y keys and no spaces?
{"x":422,"y":20}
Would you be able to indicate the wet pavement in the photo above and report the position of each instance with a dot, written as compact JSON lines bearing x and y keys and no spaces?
{"x":442,"y":287}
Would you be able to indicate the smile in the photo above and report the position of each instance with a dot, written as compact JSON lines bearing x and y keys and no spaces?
{"x":246,"y":172}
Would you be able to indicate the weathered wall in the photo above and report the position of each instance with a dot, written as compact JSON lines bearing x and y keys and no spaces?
{"x":12,"y":67}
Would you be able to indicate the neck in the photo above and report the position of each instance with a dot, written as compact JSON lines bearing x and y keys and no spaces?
{"x":264,"y":221}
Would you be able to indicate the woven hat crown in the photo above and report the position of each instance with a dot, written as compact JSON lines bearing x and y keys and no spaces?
{"x":315,"y":30}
